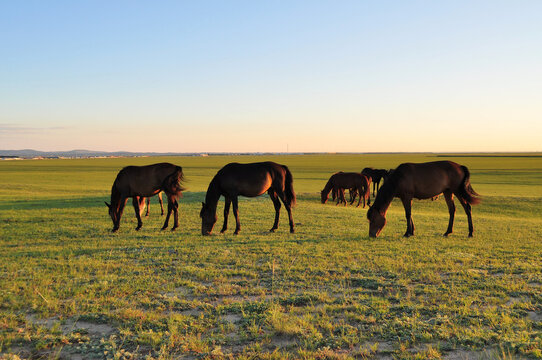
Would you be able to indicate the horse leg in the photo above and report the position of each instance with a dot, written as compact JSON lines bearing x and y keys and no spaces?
{"x":136,"y":201}
{"x":359,"y":189}
{"x":288,"y":208}
{"x":343,"y":200}
{"x":449,"y":197}
{"x":175,"y":212}
{"x":161,"y":202}
{"x":336,"y":196}
{"x":235,"y":204}
{"x":353,"y":194}
{"x":468,"y":209}
{"x":148,"y":206}
{"x":169,"y":211}
{"x":226,"y":213}
{"x":407,"y":204}
{"x":276,"y":203}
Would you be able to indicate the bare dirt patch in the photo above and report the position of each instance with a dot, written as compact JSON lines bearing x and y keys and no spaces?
{"x":534,"y":316}
{"x":71,"y":325}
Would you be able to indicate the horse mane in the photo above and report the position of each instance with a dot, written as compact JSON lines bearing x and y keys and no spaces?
{"x":328,"y":186}
{"x":385,"y":195}
{"x":115,"y":197}
{"x":213,"y":193}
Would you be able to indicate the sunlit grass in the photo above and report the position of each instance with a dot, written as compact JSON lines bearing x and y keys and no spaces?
{"x":68,"y":286}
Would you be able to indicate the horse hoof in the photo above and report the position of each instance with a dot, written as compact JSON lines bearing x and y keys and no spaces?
{"x":292,"y":231}
{"x":114,"y":230}
{"x":173,"y":228}
{"x":223,"y":231}
{"x":272,"y":230}
{"x":138,"y":228}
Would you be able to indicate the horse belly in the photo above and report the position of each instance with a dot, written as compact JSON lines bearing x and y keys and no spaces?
{"x":143,"y":189}
{"x":255,"y":187}
{"x":428,"y":190}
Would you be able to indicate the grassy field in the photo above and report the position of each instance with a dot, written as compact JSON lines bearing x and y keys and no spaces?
{"x":71,"y":289}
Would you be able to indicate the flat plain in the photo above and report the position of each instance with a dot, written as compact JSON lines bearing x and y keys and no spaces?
{"x":71,"y":289}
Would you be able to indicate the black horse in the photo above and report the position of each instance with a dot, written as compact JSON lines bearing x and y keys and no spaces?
{"x":249,"y":180}
{"x":376,"y":175}
{"x":423,"y":181}
{"x":140,"y":182}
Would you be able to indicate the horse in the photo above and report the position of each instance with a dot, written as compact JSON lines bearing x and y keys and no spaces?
{"x":248,"y":180}
{"x":376,"y":175}
{"x":140,"y":182}
{"x":339,"y":195}
{"x":424,"y":181}
{"x":351,"y":180}
{"x":149,"y":204}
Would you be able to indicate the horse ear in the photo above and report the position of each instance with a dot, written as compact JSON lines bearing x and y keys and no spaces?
{"x":202,"y":204}
{"x":109,"y":206}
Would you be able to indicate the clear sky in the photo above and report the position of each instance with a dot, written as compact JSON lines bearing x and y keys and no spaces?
{"x":211,"y":76}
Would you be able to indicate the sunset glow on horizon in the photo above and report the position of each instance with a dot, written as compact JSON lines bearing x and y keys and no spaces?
{"x":271,"y":77}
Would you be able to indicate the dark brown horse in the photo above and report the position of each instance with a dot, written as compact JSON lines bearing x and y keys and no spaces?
{"x":139,"y":182}
{"x":376,"y":176}
{"x":346,"y":180}
{"x":423,"y":181}
{"x":161,"y":204}
{"x":248,"y":180}
{"x":338,"y":194}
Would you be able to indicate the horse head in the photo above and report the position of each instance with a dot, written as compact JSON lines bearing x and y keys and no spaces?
{"x":208,"y":219}
{"x":115,"y":217}
{"x":376,"y":222}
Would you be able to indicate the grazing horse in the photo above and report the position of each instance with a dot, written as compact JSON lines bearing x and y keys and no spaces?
{"x":140,"y":182}
{"x":423,"y":181}
{"x":248,"y":180}
{"x":161,"y":204}
{"x":376,"y":175}
{"x":343,"y":180}
{"x":339,"y":195}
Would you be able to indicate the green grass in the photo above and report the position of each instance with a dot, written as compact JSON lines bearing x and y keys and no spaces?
{"x":70,"y":288}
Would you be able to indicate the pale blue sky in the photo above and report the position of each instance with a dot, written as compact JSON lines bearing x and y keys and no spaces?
{"x":353,"y":76}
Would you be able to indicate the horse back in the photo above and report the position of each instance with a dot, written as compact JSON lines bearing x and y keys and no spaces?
{"x":347,"y":180}
{"x":249,"y":180}
{"x":144,"y":180}
{"x":425,"y":180}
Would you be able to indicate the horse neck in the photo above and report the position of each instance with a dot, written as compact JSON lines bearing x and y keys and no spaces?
{"x":328,"y":187}
{"x":384,"y":197}
{"x":213,"y":194}
{"x":116,"y":202}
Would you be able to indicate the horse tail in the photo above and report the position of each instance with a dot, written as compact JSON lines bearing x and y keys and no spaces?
{"x":173,"y":182}
{"x":289,"y":187}
{"x":465,"y":189}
